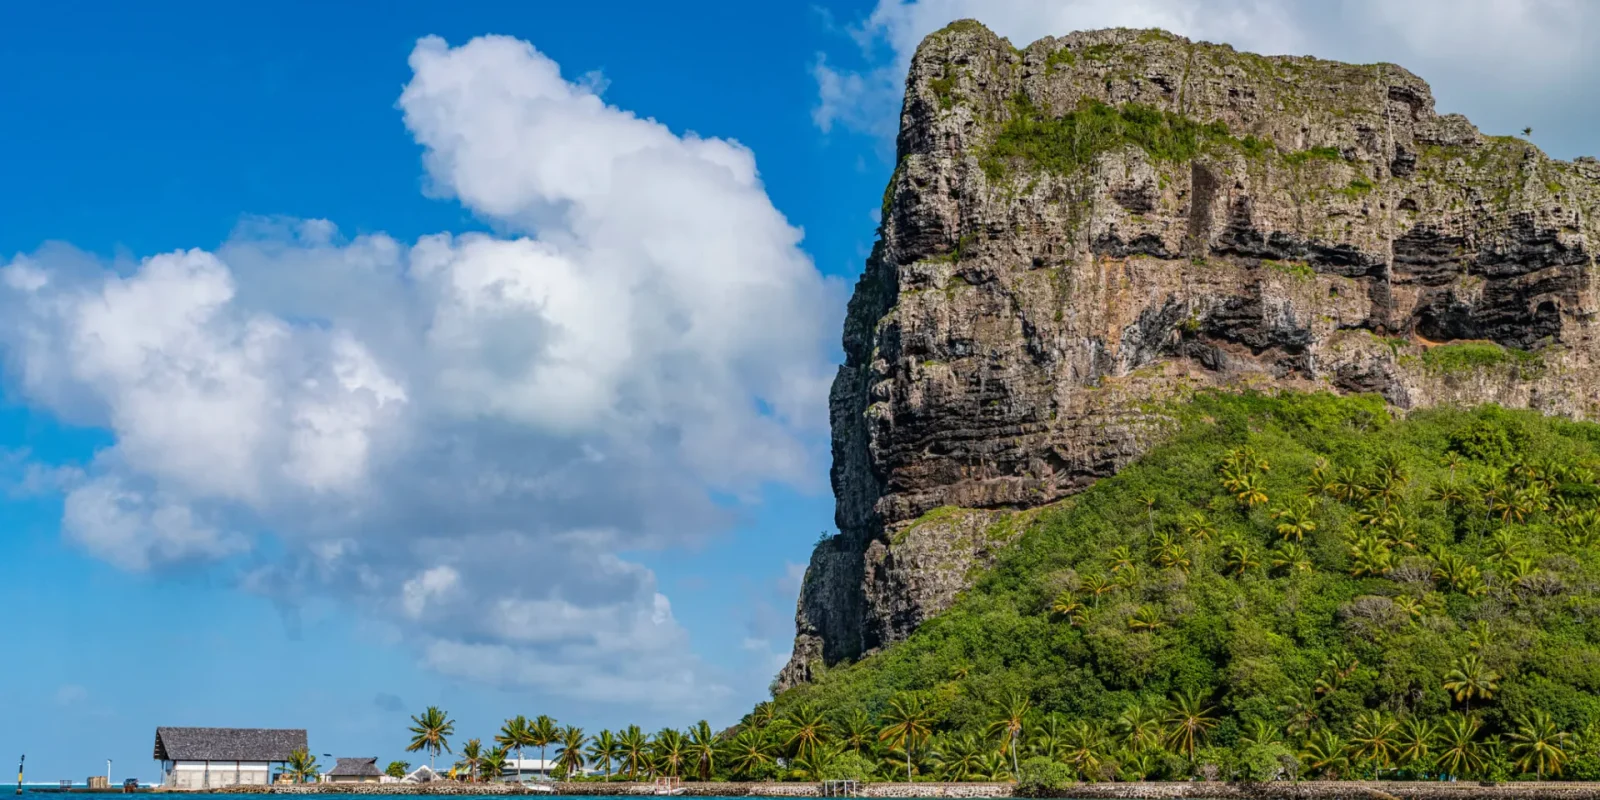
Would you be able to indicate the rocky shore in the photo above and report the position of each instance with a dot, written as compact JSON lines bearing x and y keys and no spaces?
{"x":1198,"y":790}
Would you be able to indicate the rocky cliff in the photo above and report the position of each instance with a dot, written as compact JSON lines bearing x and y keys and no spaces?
{"x":1082,"y":230}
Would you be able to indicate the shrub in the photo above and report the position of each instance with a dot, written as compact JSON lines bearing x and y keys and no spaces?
{"x":1044,"y":777}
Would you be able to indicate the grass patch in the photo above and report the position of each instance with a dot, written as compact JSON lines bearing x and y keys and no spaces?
{"x":1072,"y":141}
{"x":1295,"y":269}
{"x":1314,"y":154}
{"x":1060,"y":58}
{"x":1461,"y":358}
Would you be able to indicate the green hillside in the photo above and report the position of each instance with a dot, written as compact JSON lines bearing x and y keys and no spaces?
{"x":1298,"y":583}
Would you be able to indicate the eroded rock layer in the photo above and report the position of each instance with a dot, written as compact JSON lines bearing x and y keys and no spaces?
{"x":1083,"y":229}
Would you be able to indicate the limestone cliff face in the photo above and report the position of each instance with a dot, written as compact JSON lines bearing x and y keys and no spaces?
{"x":1079,"y":230}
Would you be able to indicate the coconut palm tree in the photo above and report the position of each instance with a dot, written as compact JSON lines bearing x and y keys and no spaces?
{"x":702,"y":750}
{"x":1373,"y":740}
{"x":1460,"y":754}
{"x":1370,"y":557}
{"x":750,"y":750}
{"x":1096,"y":585}
{"x":1047,"y":736}
{"x":815,"y":762}
{"x":514,"y":734}
{"x":1414,"y":743}
{"x":958,"y":757}
{"x":1120,"y":558}
{"x":540,"y":734}
{"x":1083,"y":746}
{"x":1146,"y":618}
{"x":1189,"y":719}
{"x":1538,"y":744}
{"x":1199,"y":527}
{"x":1139,"y":725}
{"x":1239,"y":558}
{"x":670,"y":751}
{"x":1470,"y":678}
{"x":471,"y":758}
{"x":907,"y":722}
{"x":1260,"y":732}
{"x":301,"y":764}
{"x":1299,"y":708}
{"x":764,"y":714}
{"x":806,"y":729}
{"x":493,"y":764}
{"x":857,"y":731}
{"x":1008,"y":723}
{"x":604,"y":750}
{"x":634,"y":748}
{"x":1290,"y":558}
{"x":569,"y":750}
{"x":1250,"y":490}
{"x":1067,"y":607}
{"x":1324,"y":753}
{"x":431,"y":731}
{"x":1294,"y":521}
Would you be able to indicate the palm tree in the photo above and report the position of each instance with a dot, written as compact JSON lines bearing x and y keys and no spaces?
{"x":1188,"y":720}
{"x":816,"y":761}
{"x":1096,"y":585}
{"x":1084,"y":746}
{"x":1149,"y":500}
{"x":1299,"y":707}
{"x":1009,"y":724}
{"x":1294,"y":522}
{"x":1372,"y":739}
{"x":1140,"y":728}
{"x":858,"y":732}
{"x":1120,"y":558}
{"x":1370,"y":557}
{"x":1199,"y":527}
{"x":1537,"y":743}
{"x":1047,"y":737}
{"x":1415,"y":741}
{"x":670,"y":751}
{"x":958,"y":757}
{"x":763,"y":714}
{"x":702,"y":749}
{"x":1260,"y":733}
{"x":1459,"y":752}
{"x":1239,"y":558}
{"x":493,"y":764}
{"x":907,"y":722}
{"x":634,"y":748}
{"x":1471,"y":678}
{"x":431,"y":731}
{"x":750,"y":749}
{"x":1290,"y":558}
{"x":1250,"y":490}
{"x":1067,"y":607}
{"x":471,"y":757}
{"x":302,"y":765}
{"x":603,"y":750}
{"x":514,"y":733}
{"x":569,"y":749}
{"x":1324,"y":752}
{"x":540,"y":734}
{"x":1146,"y":618}
{"x":807,"y":730}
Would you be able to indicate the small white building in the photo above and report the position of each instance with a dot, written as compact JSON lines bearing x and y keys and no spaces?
{"x":212,"y":758}
{"x":524,"y":770}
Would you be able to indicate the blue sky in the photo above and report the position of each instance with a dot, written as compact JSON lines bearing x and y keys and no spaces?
{"x":490,"y":395}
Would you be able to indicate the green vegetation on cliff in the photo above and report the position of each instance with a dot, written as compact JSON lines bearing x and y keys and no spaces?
{"x":1297,"y":583}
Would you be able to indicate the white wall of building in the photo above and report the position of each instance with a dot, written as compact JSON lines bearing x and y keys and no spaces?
{"x":215,"y":774}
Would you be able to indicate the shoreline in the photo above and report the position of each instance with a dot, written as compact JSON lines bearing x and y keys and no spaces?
{"x":1175,"y":790}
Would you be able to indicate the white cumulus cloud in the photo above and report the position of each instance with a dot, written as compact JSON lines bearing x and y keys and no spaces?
{"x":458,"y":435}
